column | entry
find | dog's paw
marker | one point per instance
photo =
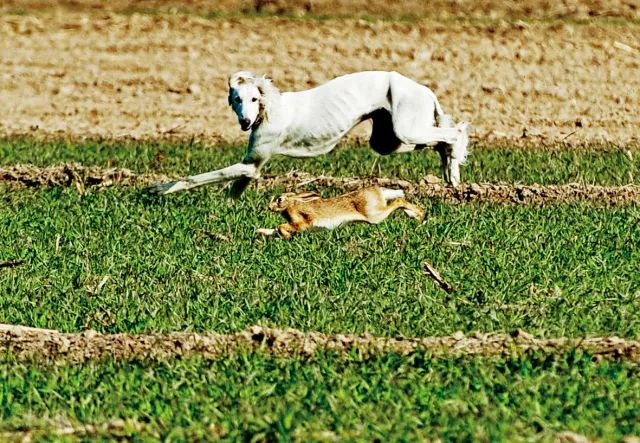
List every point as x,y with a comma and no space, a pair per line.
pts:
167,188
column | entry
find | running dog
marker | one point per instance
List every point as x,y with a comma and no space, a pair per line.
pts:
406,116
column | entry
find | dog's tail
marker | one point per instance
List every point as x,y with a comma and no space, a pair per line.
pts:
443,120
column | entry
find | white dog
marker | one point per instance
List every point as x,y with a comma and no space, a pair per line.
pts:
405,115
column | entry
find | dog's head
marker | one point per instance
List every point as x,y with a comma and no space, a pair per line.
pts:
282,202
246,94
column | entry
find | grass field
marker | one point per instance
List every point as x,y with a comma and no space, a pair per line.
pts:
389,398
206,332
191,261
558,271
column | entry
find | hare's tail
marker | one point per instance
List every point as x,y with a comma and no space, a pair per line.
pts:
392,194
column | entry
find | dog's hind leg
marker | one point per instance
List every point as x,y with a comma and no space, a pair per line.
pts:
450,143
414,109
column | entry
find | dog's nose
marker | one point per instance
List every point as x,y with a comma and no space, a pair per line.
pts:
245,122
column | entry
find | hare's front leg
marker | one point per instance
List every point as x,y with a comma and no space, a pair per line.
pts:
286,230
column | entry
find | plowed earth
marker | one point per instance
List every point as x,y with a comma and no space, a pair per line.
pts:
87,74
537,9
30,343
83,177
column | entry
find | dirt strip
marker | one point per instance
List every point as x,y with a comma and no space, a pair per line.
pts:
493,9
61,428
124,429
83,177
432,186
29,343
73,174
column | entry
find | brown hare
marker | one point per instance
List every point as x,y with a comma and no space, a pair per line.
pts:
308,210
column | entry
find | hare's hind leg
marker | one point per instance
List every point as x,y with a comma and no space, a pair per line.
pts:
382,211
413,211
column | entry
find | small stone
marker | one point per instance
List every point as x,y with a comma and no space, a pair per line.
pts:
90,333
431,179
519,333
194,89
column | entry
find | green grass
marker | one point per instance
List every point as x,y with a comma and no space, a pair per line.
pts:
190,261
388,398
558,270
604,165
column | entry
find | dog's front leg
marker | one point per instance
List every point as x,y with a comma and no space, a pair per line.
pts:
238,187
234,172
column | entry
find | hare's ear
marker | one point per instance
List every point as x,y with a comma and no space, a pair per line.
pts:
308,196
239,78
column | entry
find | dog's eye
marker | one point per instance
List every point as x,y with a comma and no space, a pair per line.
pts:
254,99
237,100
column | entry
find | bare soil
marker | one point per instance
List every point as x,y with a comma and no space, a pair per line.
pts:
507,193
30,343
442,9
96,73
73,174
83,177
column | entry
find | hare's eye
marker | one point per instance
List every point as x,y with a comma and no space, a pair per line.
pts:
254,99
237,100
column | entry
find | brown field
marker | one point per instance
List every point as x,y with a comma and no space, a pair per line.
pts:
30,343
493,9
94,73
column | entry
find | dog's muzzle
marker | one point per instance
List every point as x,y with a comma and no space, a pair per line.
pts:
245,124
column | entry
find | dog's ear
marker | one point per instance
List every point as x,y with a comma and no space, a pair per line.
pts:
239,78
262,83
